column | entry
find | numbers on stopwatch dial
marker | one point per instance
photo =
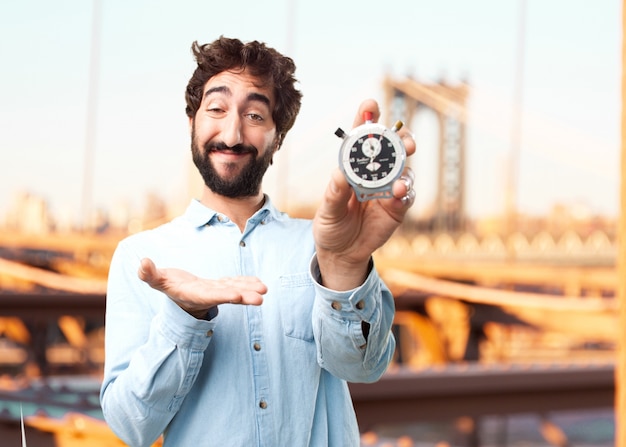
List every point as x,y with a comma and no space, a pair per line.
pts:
372,157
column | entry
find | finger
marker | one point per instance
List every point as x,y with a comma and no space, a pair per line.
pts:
404,183
369,105
248,298
240,290
403,188
408,138
248,283
408,199
233,290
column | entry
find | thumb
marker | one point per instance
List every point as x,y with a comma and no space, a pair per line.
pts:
337,195
148,271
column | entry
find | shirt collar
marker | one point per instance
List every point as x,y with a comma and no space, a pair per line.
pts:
199,215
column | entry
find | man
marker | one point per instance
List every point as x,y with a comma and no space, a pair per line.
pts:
235,325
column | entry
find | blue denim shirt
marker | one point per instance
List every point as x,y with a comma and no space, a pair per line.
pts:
269,375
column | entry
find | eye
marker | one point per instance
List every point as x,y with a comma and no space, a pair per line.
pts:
215,106
256,117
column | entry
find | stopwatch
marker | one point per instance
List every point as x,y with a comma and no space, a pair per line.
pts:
372,157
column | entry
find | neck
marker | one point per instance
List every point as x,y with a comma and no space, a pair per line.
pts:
239,210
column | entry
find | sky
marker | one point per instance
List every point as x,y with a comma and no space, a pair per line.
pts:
566,83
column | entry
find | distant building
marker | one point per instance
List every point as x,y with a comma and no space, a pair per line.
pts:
29,214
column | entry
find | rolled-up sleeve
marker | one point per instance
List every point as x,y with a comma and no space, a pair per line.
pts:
343,348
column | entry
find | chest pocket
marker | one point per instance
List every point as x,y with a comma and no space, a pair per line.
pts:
296,305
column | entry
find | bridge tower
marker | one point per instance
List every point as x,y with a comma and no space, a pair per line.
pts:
404,98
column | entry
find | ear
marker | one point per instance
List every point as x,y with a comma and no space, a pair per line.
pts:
278,141
190,124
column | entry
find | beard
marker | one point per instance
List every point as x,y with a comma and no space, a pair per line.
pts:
245,184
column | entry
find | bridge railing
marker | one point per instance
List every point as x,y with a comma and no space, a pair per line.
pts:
596,248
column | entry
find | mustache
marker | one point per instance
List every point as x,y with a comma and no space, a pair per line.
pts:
237,149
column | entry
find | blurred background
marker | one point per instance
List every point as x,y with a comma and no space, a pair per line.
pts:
509,254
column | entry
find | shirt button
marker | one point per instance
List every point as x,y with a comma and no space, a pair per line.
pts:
209,333
220,218
263,404
360,305
242,244
256,346
336,305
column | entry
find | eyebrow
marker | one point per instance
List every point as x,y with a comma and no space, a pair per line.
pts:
251,97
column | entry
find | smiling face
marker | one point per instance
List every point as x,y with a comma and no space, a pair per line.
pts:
233,134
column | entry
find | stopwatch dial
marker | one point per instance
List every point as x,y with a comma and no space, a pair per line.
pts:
372,159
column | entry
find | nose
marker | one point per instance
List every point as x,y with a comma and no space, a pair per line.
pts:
232,130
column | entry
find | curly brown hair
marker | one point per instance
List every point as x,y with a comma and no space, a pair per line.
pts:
261,61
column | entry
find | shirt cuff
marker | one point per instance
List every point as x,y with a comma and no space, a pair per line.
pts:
356,304
183,329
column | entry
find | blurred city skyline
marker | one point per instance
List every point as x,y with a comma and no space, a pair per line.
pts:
570,95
